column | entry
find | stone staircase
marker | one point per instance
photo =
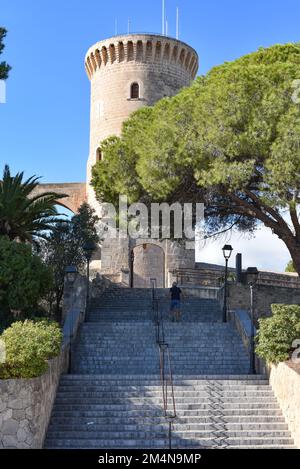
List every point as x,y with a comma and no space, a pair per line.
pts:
113,398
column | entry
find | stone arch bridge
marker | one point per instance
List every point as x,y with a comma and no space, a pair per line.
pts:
75,193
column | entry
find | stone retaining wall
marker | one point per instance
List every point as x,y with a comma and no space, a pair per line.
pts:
264,297
285,381
26,405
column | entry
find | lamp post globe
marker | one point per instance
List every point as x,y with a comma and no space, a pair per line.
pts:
227,251
71,273
252,275
88,248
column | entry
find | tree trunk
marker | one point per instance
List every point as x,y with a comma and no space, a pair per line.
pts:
294,249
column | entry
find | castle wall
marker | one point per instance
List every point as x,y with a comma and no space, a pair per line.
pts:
159,260
149,263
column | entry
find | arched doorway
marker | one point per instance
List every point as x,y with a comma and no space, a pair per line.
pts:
148,262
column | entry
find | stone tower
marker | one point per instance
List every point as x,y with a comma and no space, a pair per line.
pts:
128,72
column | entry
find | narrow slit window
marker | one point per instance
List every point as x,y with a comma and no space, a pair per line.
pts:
135,91
99,155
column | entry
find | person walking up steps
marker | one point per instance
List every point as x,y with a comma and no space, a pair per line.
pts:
175,310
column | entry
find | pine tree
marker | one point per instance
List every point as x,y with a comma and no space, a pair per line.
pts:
4,67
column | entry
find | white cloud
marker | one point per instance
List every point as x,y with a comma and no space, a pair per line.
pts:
264,251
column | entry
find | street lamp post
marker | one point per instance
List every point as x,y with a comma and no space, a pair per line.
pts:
71,274
88,248
227,251
252,277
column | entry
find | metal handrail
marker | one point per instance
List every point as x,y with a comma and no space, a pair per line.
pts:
165,364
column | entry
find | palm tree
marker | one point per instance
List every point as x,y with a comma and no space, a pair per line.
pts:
24,216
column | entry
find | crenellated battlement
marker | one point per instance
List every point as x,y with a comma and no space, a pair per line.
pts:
141,48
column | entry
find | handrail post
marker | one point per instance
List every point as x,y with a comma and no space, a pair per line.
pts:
164,354
170,434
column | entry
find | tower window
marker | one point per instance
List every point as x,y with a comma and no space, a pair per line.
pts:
135,91
99,155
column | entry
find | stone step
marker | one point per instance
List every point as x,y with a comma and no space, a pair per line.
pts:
191,398
87,348
146,359
138,426
177,378
119,370
235,353
153,353
133,320
151,442
139,404
178,389
60,419
74,411
157,395
164,309
184,434
139,367
120,388
262,446
136,382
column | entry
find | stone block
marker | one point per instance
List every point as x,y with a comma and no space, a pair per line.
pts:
9,442
10,427
16,404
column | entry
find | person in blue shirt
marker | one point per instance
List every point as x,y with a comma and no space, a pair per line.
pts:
175,293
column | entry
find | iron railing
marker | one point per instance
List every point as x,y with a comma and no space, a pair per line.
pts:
165,364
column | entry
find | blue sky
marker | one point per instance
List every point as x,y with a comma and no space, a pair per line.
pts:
44,126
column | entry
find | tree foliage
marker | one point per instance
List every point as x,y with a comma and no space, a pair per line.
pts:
28,347
64,247
4,67
231,140
23,215
290,267
24,279
277,333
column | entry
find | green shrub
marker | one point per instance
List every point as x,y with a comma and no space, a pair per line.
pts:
24,279
277,333
28,346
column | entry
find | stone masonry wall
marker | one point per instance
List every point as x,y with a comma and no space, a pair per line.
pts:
26,405
149,262
159,263
265,296
285,381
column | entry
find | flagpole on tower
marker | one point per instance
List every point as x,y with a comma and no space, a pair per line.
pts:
177,23
163,17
